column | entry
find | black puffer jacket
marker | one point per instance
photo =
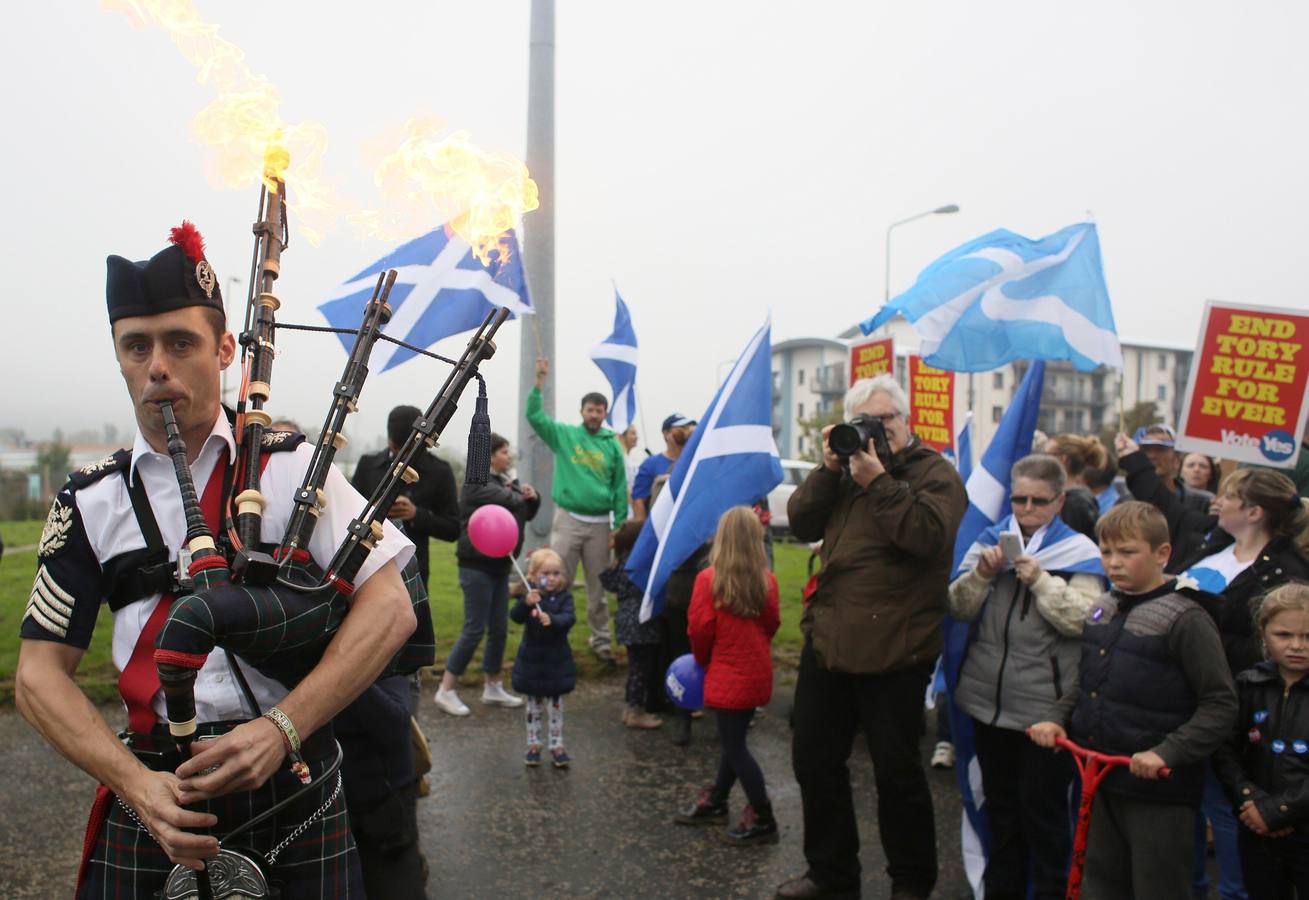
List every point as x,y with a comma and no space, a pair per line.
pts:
1234,610
1267,758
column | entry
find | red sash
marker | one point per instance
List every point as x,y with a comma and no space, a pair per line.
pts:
139,681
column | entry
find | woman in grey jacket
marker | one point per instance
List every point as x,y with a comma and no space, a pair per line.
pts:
1026,586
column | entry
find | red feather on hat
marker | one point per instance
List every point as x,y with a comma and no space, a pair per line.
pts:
189,239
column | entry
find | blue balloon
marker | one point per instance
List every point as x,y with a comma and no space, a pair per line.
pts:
684,682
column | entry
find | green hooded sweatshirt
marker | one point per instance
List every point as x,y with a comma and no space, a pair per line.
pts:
590,478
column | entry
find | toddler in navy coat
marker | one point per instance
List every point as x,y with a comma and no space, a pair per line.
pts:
544,670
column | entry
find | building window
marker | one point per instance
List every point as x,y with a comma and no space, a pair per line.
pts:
1162,392
799,410
1163,363
799,443
997,412
799,376
997,380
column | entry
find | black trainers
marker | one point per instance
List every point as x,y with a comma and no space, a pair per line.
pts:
710,807
755,827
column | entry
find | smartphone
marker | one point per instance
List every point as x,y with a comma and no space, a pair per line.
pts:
1012,545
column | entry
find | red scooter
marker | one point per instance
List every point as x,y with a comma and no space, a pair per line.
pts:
1093,767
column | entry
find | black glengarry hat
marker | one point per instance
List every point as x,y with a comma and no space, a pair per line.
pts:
176,277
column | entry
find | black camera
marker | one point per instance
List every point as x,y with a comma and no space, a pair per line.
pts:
849,437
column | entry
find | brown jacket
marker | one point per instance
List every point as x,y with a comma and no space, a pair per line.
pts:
887,550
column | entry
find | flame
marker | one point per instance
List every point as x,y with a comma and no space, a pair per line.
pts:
420,174
242,126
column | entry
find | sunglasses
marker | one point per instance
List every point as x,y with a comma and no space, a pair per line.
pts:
1019,500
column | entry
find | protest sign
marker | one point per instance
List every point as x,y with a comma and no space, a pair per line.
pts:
931,404
1246,397
871,358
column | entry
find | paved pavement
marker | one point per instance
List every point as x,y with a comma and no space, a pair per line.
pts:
493,828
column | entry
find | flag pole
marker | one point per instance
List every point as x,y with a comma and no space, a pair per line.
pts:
640,414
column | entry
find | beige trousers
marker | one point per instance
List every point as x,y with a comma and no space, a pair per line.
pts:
588,543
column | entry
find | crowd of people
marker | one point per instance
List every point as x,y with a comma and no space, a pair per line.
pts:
1163,617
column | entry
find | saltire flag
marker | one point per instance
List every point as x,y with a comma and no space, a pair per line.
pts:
1004,297
441,288
988,503
730,460
616,356
963,444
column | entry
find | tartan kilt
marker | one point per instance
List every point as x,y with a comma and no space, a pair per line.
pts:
322,862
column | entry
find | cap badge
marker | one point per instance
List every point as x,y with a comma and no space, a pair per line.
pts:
204,274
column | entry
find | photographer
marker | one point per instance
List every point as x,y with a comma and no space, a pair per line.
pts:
872,632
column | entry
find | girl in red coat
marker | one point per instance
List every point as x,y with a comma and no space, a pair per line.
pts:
731,623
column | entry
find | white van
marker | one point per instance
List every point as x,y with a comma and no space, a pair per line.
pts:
794,472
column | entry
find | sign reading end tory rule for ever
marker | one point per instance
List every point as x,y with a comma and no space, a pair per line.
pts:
1246,396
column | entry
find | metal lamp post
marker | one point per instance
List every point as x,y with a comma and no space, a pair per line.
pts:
939,211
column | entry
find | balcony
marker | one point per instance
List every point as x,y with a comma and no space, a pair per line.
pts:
829,380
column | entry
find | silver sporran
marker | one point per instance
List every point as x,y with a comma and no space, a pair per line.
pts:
232,876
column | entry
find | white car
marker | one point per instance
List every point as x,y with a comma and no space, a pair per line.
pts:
794,472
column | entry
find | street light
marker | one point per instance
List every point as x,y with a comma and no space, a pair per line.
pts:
939,211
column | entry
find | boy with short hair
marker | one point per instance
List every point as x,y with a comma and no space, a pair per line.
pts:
1154,685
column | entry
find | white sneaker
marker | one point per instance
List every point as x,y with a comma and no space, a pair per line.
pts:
943,756
494,694
448,702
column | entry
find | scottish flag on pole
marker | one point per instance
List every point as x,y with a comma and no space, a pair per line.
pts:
440,289
730,460
616,356
963,444
1004,297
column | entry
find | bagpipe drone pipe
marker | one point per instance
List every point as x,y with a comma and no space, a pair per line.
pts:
278,612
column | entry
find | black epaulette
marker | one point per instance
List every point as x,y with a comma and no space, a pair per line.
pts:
277,441
90,473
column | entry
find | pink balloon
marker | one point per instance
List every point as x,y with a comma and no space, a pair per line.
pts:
493,530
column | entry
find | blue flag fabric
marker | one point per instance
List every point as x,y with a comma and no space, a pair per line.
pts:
441,289
730,460
1004,297
617,356
988,503
964,447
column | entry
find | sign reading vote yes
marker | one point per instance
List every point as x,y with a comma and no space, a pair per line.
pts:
1246,396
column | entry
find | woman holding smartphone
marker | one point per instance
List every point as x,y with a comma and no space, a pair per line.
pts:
1027,585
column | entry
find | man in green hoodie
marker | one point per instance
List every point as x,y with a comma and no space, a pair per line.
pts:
590,493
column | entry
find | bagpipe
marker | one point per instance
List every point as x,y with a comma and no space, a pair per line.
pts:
278,611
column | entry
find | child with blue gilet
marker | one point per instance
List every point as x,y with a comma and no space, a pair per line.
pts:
544,670
1152,684
1264,766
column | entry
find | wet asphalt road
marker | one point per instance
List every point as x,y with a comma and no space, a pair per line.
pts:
494,828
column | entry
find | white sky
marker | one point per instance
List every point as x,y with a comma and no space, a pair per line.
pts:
718,160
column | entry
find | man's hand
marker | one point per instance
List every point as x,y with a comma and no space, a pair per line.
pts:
157,802
1147,764
529,492
989,562
1250,818
1125,445
1044,734
1028,569
245,758
403,509
830,459
542,370
864,467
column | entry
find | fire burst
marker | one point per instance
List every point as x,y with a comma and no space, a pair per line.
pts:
420,175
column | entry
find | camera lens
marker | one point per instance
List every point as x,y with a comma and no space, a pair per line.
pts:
844,439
